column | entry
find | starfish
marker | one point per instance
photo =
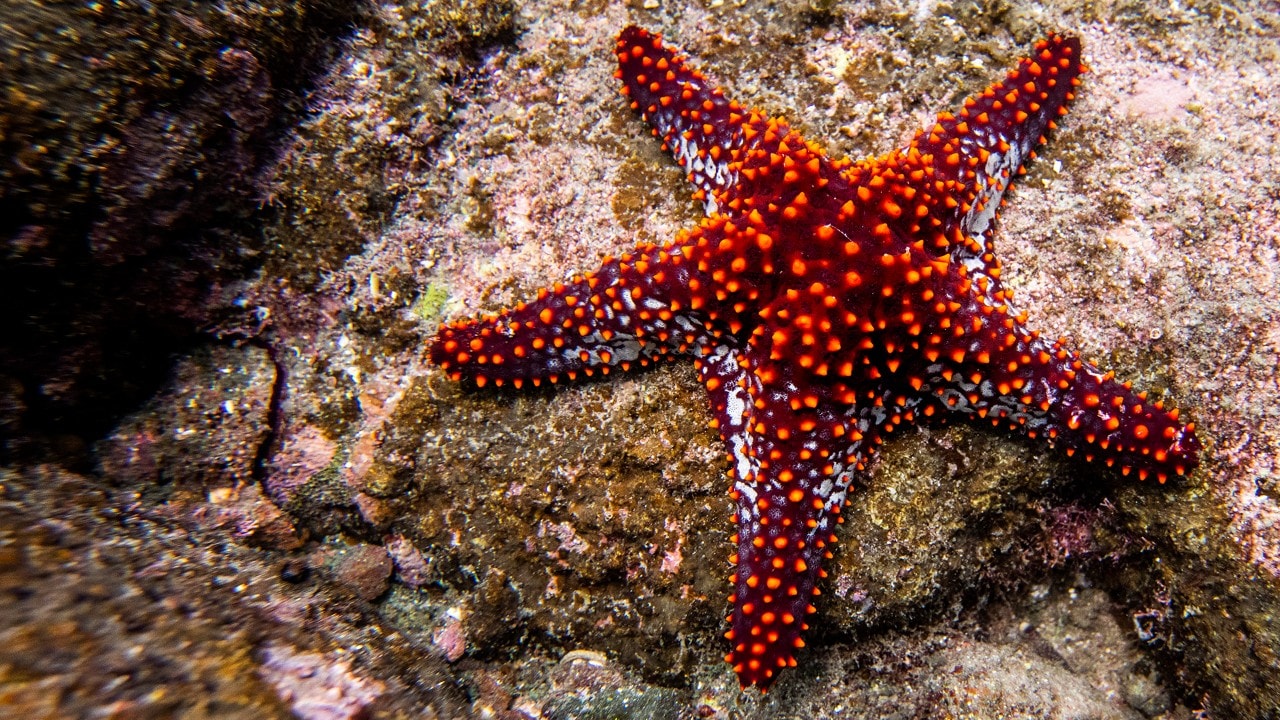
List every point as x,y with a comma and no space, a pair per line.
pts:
825,303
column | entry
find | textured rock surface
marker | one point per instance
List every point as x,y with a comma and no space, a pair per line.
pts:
562,552
205,430
113,609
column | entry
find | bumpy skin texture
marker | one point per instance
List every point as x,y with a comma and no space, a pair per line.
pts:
825,303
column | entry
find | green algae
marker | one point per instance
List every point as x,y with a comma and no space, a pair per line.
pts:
427,306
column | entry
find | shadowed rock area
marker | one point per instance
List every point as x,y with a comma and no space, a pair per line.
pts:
133,141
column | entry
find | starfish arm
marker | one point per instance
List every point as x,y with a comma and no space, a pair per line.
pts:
697,123
801,446
628,312
993,368
969,158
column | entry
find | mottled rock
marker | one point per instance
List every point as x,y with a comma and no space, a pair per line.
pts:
98,585
204,430
363,569
588,687
451,640
412,568
318,687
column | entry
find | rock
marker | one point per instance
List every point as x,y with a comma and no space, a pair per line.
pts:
363,569
204,430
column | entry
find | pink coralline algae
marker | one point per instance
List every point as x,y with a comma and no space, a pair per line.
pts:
317,687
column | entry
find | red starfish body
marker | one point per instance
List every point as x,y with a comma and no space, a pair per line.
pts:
826,302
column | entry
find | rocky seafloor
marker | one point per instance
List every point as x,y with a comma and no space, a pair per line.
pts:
234,487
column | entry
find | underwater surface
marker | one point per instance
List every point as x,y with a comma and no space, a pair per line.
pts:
235,484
